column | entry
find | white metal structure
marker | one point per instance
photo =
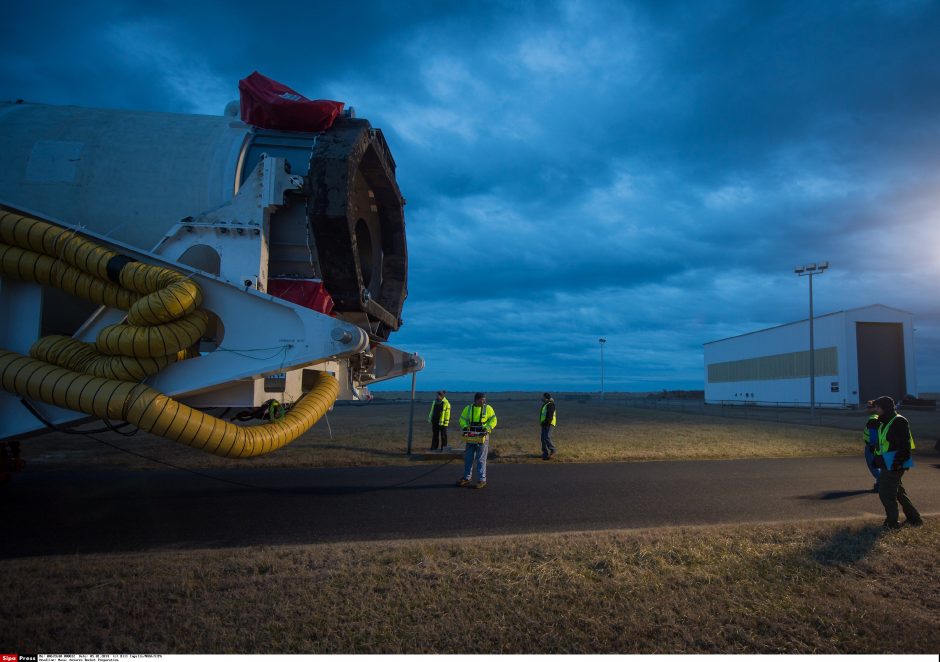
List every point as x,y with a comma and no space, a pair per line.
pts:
236,207
859,354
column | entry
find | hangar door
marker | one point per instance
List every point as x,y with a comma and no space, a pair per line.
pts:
880,360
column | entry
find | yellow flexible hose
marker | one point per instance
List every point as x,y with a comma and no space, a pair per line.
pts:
163,322
152,341
34,267
170,295
150,410
49,239
80,356
180,330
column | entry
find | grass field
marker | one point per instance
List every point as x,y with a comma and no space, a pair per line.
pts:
822,587
376,434
786,588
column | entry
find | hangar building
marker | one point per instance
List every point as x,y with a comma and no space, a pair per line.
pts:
860,354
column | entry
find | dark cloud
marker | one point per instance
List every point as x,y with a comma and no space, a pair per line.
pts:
650,172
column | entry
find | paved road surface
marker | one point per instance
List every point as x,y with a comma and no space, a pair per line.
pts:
60,512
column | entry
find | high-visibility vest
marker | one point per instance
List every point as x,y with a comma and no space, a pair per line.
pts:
474,417
542,414
444,420
882,448
870,435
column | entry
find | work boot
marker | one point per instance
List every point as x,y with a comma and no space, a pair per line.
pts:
890,525
463,482
480,485
914,522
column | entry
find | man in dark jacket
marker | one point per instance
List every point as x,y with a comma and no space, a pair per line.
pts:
439,418
893,457
547,422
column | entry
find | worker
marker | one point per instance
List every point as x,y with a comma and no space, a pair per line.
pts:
476,422
893,457
439,418
547,422
870,439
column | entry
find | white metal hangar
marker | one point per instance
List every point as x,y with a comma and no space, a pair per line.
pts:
860,354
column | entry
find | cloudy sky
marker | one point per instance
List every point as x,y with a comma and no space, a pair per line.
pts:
649,172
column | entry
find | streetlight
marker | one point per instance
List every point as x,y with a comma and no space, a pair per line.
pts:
811,269
602,341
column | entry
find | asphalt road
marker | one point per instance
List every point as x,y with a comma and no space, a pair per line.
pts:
66,512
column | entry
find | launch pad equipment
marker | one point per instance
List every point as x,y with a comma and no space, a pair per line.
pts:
238,213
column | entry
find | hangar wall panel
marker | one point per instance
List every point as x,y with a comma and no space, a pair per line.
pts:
771,366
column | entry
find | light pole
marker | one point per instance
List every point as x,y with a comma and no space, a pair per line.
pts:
411,363
602,341
811,269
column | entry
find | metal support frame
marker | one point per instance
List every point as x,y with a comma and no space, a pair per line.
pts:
259,335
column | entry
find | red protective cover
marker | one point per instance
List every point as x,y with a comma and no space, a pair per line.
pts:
307,293
267,104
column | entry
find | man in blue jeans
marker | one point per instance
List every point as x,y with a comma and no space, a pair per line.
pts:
476,422
547,422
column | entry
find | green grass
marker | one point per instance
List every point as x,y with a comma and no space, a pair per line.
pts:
376,434
786,588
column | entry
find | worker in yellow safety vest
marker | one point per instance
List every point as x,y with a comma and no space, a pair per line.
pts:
476,422
439,418
893,456
547,422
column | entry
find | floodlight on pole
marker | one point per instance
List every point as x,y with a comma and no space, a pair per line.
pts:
811,269
602,341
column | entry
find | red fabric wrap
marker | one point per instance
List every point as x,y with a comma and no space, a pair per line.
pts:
307,293
267,104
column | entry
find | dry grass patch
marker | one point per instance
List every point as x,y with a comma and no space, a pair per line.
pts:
376,434
794,588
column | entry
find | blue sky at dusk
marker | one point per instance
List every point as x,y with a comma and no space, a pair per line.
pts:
649,172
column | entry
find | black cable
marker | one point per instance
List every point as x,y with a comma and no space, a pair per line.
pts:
116,428
53,426
109,426
176,466
273,490
411,480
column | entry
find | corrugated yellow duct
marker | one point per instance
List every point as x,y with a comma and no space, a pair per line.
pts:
179,330
33,267
152,341
80,356
161,326
154,412
170,294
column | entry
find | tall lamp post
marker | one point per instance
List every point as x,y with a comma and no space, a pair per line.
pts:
602,341
811,269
